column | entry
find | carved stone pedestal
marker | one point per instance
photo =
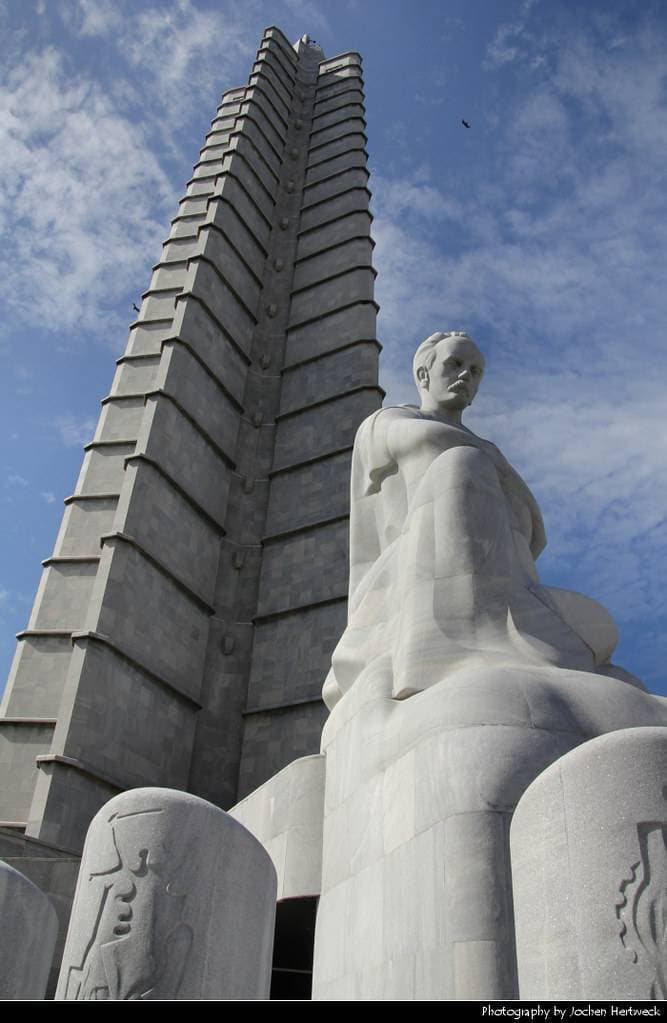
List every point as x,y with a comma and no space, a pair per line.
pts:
175,900
417,886
589,868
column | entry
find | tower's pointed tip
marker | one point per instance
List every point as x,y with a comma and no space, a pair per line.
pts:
307,42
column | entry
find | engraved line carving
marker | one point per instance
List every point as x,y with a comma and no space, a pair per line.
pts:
140,945
642,907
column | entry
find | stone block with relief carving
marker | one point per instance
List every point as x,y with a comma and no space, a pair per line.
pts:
175,900
589,870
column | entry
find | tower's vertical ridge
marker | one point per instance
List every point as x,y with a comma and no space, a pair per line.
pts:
211,503
328,386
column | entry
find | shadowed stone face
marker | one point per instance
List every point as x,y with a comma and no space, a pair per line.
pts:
448,375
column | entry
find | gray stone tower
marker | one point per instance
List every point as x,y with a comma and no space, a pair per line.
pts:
185,621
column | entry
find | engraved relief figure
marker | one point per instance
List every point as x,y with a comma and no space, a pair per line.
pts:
642,910
139,945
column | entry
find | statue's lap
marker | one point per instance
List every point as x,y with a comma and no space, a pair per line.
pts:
504,722
419,799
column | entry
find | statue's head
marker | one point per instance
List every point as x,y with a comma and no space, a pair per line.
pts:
447,368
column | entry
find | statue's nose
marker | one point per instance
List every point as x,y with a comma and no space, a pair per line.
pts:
464,374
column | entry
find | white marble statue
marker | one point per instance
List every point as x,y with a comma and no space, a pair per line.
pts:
458,680
444,537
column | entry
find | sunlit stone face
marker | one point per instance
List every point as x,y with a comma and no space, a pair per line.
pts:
452,379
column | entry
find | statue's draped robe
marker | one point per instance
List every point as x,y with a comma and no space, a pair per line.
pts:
443,537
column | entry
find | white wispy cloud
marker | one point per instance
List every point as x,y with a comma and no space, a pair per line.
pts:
173,52
92,17
512,38
596,459
74,221
563,229
555,262
14,479
75,432
178,47
47,496
414,196
87,151
310,15
12,602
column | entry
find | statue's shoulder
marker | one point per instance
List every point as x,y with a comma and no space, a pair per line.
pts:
373,458
379,421
373,433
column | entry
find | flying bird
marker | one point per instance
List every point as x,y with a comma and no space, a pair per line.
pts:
136,308
464,123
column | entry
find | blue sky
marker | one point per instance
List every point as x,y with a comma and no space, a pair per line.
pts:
541,230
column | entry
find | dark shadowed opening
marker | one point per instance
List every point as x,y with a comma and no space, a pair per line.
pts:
293,949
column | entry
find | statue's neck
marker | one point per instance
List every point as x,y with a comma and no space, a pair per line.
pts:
451,416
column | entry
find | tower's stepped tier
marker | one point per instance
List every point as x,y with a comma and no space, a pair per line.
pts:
185,621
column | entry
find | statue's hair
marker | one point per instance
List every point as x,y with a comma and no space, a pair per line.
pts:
425,354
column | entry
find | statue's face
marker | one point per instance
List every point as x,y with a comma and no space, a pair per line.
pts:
453,377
